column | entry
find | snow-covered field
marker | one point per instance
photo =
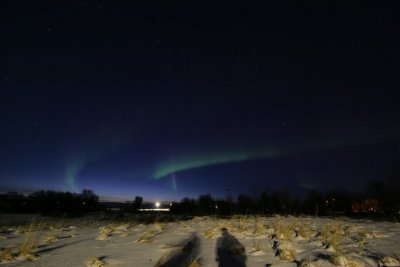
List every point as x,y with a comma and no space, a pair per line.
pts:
245,241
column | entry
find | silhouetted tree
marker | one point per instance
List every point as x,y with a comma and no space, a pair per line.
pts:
58,203
246,204
387,197
137,203
263,203
89,200
338,200
186,206
205,204
314,203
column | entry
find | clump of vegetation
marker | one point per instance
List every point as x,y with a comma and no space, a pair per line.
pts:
388,261
330,237
287,254
195,263
260,229
342,260
7,255
30,242
52,236
210,233
257,245
153,231
283,230
95,262
303,231
104,232
242,223
26,250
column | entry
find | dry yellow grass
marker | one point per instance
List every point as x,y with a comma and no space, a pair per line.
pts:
287,254
25,250
342,260
104,232
194,263
147,236
389,261
284,231
209,234
52,236
257,245
303,231
95,262
30,241
260,229
6,255
242,224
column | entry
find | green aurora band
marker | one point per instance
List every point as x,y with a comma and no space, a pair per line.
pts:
214,159
110,142
261,152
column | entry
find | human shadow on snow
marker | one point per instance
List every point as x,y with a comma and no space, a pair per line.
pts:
229,251
185,256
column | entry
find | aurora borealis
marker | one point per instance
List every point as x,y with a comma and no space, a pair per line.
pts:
172,100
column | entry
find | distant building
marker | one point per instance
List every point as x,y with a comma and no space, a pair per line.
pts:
366,205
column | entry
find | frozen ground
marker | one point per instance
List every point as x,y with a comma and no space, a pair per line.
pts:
247,241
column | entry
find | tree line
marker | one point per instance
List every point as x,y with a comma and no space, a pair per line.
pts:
377,199
49,202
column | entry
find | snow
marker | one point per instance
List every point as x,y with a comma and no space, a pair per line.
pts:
239,241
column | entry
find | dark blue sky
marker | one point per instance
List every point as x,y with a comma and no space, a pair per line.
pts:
167,100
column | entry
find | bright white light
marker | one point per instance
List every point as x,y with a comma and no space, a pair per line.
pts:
157,204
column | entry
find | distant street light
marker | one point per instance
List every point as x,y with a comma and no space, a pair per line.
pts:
157,204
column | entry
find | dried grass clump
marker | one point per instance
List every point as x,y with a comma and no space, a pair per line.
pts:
339,230
339,260
122,229
242,225
195,263
209,234
257,245
287,254
333,243
52,236
361,241
7,255
11,254
326,233
26,250
330,237
285,250
30,242
148,235
284,231
307,262
347,229
104,232
342,260
388,261
260,229
95,262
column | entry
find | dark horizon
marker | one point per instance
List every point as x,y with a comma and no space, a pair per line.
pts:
172,100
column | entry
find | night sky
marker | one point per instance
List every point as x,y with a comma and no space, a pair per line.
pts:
170,99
